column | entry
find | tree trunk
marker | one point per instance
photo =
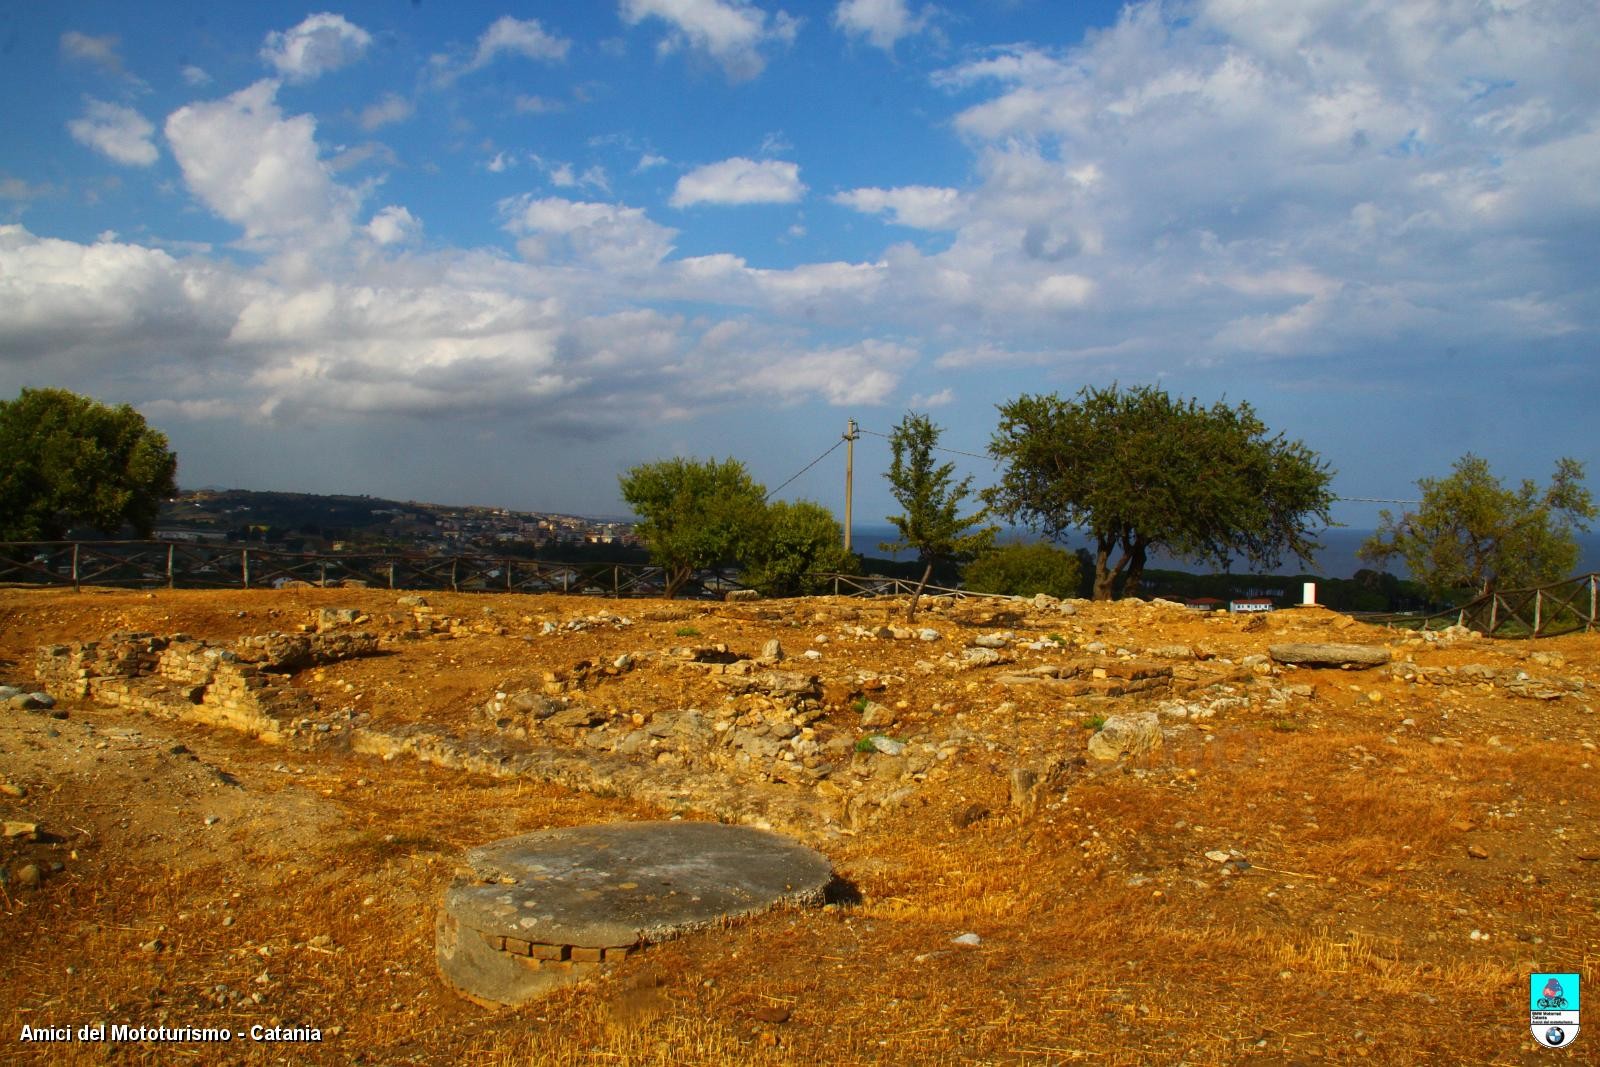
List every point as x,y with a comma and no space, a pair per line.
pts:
1102,570
675,578
1105,576
1135,569
1102,576
927,572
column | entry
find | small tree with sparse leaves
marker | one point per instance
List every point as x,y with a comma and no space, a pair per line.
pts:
1471,535
932,522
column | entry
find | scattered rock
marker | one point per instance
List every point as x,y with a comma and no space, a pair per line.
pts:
28,876
1024,789
26,830
970,940
741,596
875,716
328,618
980,657
968,815
1477,852
1000,640
772,1013
1129,734
888,745
772,651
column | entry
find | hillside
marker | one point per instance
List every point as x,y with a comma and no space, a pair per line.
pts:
1286,864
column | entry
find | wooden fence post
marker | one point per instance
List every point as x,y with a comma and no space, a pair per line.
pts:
322,574
616,580
391,574
508,575
1538,611
1494,613
1594,580
169,567
454,560
75,587
244,565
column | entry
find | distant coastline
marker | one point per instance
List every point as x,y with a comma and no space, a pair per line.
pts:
1337,559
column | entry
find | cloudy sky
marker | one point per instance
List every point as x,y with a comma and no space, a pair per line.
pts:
452,252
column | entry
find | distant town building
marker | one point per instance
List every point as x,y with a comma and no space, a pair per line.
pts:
1204,603
192,536
1248,604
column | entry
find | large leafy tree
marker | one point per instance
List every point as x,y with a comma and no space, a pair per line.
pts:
797,541
1471,534
694,514
66,459
932,522
1139,470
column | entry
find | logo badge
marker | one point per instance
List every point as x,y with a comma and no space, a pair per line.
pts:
1553,1008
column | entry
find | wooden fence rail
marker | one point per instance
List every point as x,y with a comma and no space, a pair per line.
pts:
1558,608
183,565
154,564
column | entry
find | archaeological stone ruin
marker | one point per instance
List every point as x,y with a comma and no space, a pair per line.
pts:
544,909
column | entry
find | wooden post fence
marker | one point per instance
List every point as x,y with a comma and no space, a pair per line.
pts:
76,588
244,565
171,580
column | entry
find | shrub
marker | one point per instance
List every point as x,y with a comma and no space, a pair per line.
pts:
1024,570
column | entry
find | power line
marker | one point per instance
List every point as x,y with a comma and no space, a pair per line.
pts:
1373,500
992,459
807,467
941,448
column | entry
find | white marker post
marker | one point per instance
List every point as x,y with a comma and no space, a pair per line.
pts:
1308,594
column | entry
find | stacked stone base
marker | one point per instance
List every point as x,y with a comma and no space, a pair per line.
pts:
245,688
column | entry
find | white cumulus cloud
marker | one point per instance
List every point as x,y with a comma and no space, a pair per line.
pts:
260,170
319,44
117,132
393,225
881,22
740,181
731,32
923,207
390,108
606,235
103,52
506,36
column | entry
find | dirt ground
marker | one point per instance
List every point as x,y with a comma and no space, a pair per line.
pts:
1393,851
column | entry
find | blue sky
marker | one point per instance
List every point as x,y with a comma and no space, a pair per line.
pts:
477,253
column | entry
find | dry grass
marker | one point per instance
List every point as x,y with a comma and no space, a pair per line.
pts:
1106,935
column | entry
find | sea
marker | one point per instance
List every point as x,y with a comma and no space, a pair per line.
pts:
1337,559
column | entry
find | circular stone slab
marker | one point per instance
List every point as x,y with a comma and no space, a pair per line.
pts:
543,909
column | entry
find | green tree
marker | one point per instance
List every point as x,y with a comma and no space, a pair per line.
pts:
1139,470
694,514
932,523
796,542
66,459
1471,534
1024,570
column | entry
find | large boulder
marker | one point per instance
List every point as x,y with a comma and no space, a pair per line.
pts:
1345,657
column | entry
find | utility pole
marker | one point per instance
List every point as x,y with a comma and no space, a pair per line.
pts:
850,436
